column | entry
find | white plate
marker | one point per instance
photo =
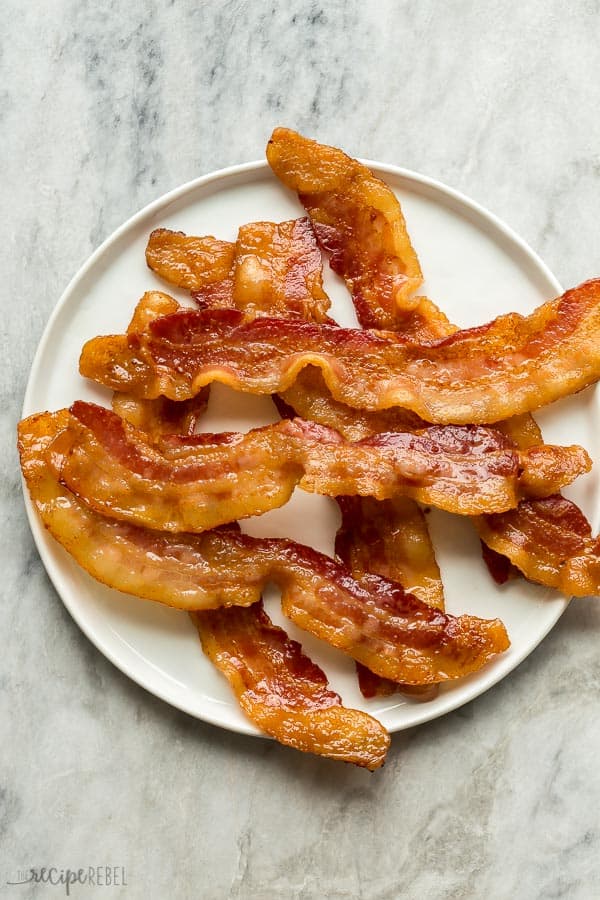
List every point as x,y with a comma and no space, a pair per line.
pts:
476,268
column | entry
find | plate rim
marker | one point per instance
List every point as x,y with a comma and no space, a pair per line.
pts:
44,542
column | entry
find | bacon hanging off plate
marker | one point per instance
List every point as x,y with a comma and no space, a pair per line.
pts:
272,266
283,692
393,633
358,222
485,374
202,481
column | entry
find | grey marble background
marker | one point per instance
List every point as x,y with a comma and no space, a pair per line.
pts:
103,107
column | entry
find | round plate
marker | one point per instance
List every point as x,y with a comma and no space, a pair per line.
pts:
476,268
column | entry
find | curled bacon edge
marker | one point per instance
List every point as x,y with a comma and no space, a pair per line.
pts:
480,375
198,482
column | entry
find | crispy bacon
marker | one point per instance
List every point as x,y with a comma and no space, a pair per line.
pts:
550,541
192,263
393,633
293,158
485,374
383,538
278,271
389,538
202,481
358,222
160,416
283,692
272,266
412,547
568,530
309,398
369,527
277,685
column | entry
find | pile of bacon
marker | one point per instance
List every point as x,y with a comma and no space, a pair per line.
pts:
382,419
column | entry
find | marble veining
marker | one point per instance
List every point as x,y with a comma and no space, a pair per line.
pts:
103,107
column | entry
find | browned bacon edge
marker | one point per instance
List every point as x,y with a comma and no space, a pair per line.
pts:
480,375
199,482
282,691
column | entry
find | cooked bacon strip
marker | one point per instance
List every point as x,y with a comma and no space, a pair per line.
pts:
160,416
278,270
202,481
380,537
209,481
283,692
479,375
309,398
274,266
357,220
376,622
389,538
550,541
192,263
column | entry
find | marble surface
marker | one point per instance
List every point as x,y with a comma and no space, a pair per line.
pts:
103,107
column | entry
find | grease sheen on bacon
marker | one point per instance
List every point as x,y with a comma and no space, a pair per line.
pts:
283,692
393,633
274,266
278,271
357,220
202,481
550,541
192,263
160,416
390,538
485,374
